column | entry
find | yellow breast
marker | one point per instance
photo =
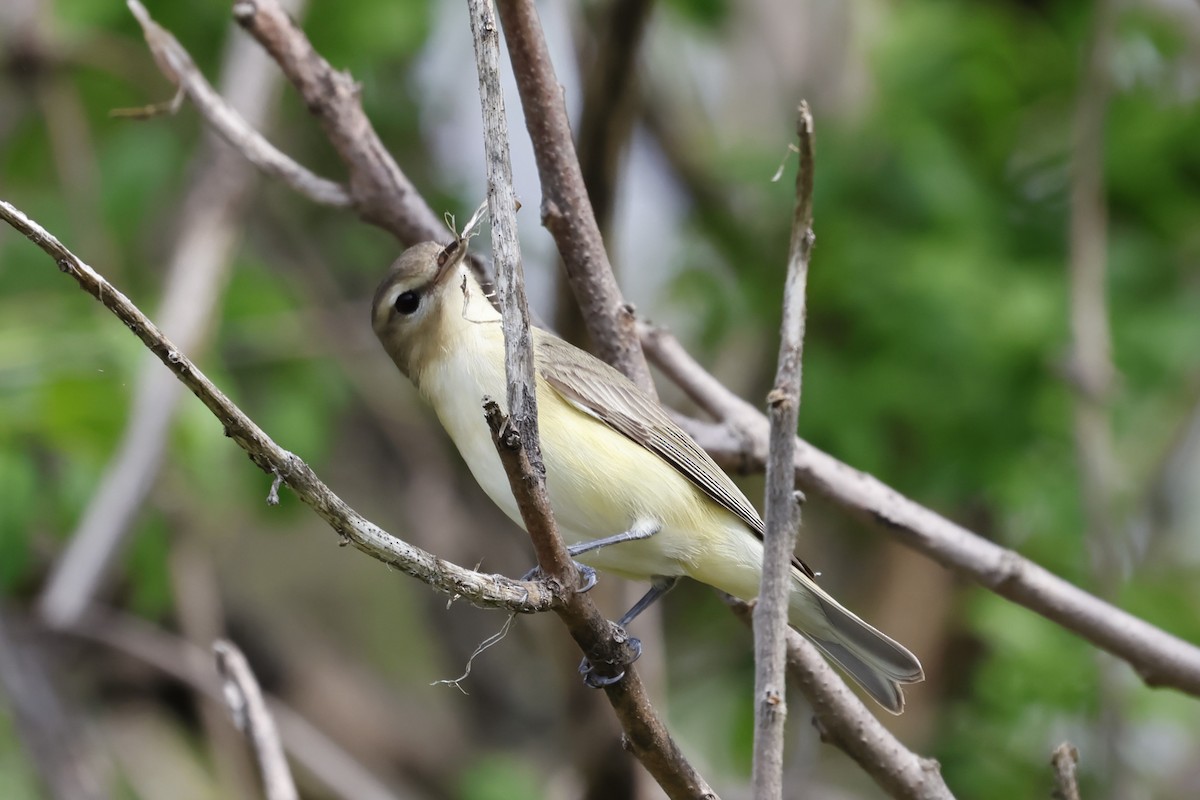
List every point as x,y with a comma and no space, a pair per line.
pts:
600,482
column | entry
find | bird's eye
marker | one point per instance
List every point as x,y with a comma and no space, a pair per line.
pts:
407,302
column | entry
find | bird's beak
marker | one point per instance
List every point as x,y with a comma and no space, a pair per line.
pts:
449,259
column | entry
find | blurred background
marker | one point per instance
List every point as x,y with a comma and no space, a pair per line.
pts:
938,357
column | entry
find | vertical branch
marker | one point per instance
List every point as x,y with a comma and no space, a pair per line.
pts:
1092,369
521,426
609,46
566,210
1065,760
605,645
782,514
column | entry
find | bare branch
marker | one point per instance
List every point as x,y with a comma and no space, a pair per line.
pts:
566,210
846,723
739,442
251,716
493,591
381,193
782,512
1065,760
308,746
516,439
209,231
177,65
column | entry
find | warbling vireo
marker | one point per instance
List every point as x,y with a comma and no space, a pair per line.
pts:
619,472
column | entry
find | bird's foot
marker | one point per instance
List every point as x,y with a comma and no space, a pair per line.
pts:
633,648
587,576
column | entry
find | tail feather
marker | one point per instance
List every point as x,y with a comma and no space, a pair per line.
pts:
878,663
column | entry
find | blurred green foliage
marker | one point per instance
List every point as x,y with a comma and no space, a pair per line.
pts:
937,328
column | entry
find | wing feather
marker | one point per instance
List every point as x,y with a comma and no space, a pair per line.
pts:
600,391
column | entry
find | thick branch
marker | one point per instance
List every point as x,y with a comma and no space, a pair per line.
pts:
605,645
494,591
177,65
566,210
381,192
250,715
782,515
739,442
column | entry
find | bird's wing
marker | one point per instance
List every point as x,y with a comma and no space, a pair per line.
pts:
600,391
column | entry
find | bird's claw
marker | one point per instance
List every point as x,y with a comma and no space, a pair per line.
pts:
597,681
587,576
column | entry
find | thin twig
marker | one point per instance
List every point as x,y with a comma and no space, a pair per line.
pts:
516,440
846,723
782,511
738,441
566,210
251,716
519,429
210,225
1065,760
493,591
308,746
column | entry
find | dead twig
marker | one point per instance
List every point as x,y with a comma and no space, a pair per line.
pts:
493,591
1065,760
782,511
738,441
228,119
517,442
250,715
846,723
566,210
209,232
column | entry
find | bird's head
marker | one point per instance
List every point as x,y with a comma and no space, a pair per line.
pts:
414,313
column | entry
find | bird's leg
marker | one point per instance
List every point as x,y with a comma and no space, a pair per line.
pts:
640,530
658,587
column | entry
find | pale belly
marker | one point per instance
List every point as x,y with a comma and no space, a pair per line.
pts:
600,483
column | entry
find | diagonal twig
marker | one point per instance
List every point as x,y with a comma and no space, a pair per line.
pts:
493,591
250,715
738,441
380,191
217,195
186,662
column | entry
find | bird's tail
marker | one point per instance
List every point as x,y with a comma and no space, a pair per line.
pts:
878,663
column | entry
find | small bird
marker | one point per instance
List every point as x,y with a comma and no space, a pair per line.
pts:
632,493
